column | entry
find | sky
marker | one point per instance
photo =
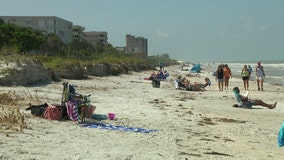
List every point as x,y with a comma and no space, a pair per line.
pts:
187,30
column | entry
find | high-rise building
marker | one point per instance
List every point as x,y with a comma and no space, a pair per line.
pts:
46,24
138,45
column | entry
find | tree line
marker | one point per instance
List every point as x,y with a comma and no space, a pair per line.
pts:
26,40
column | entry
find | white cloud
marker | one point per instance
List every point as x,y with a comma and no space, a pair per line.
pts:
162,34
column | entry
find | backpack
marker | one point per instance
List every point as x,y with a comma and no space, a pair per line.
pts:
37,110
53,113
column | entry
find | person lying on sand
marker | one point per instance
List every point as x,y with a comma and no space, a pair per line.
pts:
246,102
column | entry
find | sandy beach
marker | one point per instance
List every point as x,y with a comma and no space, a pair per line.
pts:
187,124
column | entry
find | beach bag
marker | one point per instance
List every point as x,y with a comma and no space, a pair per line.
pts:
53,113
64,114
88,111
281,136
37,110
156,83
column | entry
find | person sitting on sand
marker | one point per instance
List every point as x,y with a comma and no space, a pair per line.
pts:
152,76
207,82
182,83
185,81
166,74
185,84
160,74
246,102
201,86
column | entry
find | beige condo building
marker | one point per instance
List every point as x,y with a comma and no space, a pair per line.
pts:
94,37
46,24
78,32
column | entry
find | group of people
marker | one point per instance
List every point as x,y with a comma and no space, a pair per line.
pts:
184,83
160,75
223,74
246,75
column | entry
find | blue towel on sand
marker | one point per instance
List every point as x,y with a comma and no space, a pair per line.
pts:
120,128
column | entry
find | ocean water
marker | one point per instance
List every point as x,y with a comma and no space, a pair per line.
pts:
274,70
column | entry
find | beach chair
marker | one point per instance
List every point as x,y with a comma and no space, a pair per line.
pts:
78,106
240,102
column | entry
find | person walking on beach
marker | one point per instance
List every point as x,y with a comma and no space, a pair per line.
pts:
245,77
250,71
227,75
259,71
220,77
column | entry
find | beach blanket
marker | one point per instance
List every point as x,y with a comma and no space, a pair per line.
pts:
119,128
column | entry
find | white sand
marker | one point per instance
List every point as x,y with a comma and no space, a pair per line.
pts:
191,125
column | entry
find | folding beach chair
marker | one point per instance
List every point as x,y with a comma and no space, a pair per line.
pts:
78,106
240,102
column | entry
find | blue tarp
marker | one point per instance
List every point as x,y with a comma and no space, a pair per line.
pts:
195,68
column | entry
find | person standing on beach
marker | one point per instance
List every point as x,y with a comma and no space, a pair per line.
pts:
220,77
227,75
259,71
161,64
245,77
250,71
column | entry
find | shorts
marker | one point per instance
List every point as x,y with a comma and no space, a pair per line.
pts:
246,78
248,103
259,77
220,80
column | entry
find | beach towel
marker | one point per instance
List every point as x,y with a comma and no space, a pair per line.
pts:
281,136
119,128
72,110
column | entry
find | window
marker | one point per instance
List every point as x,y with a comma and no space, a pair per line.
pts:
41,23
